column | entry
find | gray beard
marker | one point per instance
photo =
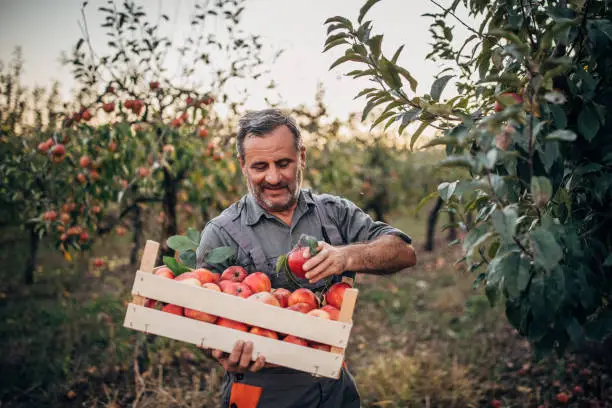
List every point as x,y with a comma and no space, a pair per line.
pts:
257,193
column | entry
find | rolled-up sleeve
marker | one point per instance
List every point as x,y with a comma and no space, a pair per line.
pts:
358,226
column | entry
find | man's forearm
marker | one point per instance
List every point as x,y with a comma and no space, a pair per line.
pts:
385,255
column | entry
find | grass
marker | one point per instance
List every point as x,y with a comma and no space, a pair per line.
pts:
422,338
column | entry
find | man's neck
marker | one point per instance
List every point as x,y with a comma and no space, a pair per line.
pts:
287,215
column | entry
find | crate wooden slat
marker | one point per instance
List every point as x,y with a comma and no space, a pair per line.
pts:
146,265
207,335
247,311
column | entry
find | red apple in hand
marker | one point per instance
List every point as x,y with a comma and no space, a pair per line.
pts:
282,295
234,273
265,297
258,282
303,295
335,294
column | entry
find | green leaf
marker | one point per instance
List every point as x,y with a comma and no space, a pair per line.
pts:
334,43
181,243
382,117
220,255
408,118
608,261
364,9
390,73
588,122
562,134
417,133
546,251
188,258
375,45
364,92
574,330
475,237
559,117
600,328
505,222
343,21
446,190
372,104
345,58
397,54
174,266
408,77
541,189
425,200
193,235
438,86
517,273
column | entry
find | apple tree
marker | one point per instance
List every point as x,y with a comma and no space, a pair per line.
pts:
530,122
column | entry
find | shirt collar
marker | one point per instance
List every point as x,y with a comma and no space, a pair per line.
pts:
254,212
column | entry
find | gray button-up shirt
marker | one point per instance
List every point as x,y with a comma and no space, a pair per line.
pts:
276,238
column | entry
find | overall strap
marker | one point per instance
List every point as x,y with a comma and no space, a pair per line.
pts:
330,229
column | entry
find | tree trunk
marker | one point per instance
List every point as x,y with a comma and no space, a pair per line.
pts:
137,239
452,231
169,206
31,263
431,225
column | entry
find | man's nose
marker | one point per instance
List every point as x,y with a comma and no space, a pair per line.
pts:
272,176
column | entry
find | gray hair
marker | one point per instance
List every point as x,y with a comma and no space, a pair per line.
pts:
260,123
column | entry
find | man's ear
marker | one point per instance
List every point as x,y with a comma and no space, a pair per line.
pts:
303,157
242,165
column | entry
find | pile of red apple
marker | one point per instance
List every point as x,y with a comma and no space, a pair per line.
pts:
255,286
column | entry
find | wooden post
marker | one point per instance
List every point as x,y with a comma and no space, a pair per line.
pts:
346,312
147,264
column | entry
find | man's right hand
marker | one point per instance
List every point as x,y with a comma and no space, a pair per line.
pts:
239,360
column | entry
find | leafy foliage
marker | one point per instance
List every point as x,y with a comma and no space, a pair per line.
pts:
530,123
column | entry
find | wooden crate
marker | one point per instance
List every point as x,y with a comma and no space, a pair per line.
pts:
253,313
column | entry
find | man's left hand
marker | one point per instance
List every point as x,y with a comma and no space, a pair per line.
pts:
328,261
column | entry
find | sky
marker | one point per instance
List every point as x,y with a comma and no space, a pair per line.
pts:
44,29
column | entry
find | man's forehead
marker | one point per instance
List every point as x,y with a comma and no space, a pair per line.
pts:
272,144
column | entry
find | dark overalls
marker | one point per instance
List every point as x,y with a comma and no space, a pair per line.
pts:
280,387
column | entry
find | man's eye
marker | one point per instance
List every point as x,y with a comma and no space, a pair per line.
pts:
283,165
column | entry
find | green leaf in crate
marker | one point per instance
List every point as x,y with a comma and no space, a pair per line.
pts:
220,254
181,243
193,235
188,258
174,266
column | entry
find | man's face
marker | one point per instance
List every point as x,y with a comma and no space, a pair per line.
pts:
273,169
